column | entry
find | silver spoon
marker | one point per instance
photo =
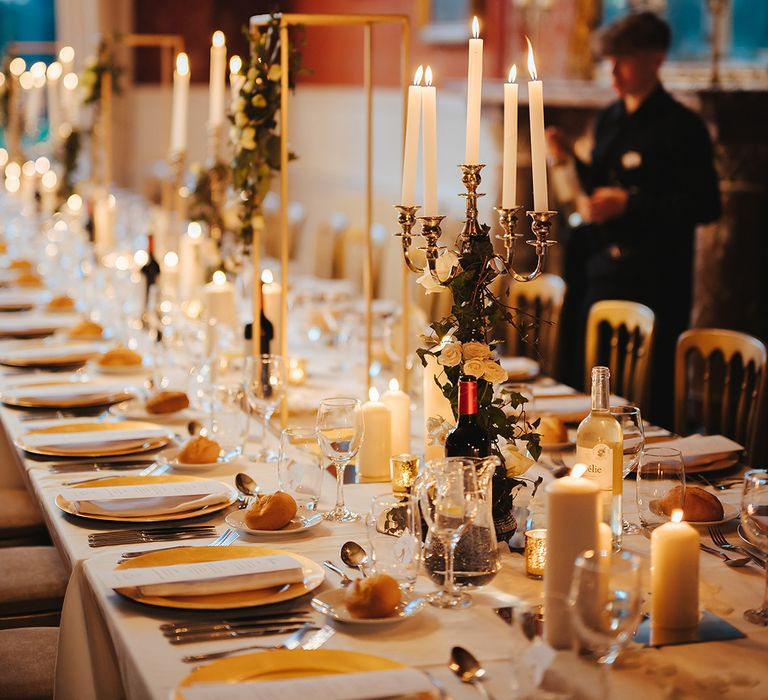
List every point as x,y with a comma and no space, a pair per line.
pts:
354,556
468,670
247,486
733,563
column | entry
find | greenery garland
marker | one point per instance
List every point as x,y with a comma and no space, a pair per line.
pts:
95,69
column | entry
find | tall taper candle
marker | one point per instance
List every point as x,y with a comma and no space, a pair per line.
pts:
474,90
538,143
429,109
235,79
53,75
180,103
509,173
411,148
216,86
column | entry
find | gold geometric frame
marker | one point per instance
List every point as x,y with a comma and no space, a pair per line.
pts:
367,22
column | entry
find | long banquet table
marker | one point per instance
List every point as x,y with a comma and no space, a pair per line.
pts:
111,647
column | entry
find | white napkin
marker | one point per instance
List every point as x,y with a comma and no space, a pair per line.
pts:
54,351
519,367
341,686
208,578
50,391
570,408
91,437
14,323
698,450
551,390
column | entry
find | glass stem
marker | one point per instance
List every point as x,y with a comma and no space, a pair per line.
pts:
340,466
449,588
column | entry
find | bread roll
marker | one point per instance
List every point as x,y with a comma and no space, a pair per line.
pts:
700,505
20,264
62,302
552,431
271,512
373,597
120,357
167,402
200,450
29,279
87,330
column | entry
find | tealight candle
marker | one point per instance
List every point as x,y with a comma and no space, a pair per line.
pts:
297,370
535,553
405,469
399,403
375,450
675,575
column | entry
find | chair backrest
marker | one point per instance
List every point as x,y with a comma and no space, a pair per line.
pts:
542,299
620,336
720,384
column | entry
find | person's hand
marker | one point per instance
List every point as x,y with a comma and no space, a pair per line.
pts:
559,146
607,203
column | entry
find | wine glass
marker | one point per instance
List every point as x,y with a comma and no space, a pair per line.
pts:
447,491
300,467
228,418
661,470
605,601
631,423
265,381
340,433
754,520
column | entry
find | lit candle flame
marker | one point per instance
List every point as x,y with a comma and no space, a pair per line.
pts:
17,66
171,259
235,64
219,277
475,27
75,202
49,180
194,230
182,64
578,470
38,69
26,80
394,385
67,54
418,75
373,394
70,81
677,515
531,62
428,76
512,74
267,277
218,38
54,71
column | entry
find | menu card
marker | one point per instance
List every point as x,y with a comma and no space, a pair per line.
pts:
91,436
342,686
43,391
54,350
149,490
702,449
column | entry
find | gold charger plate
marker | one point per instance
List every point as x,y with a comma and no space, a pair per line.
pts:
67,507
105,449
283,664
313,577
97,398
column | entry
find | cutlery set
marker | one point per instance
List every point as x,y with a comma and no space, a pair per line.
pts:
154,534
259,624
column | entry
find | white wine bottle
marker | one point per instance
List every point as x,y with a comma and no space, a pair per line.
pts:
600,445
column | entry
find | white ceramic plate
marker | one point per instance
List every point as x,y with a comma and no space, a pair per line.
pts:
729,513
134,410
301,523
331,604
171,457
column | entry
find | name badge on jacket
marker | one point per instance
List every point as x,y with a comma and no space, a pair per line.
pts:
631,160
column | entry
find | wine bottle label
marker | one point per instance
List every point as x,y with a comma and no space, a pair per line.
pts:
467,398
599,461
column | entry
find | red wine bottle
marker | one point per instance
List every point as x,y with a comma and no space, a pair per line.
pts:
467,438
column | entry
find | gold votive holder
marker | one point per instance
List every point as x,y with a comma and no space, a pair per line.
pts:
535,553
297,370
405,469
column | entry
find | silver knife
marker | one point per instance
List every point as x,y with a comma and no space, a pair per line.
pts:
194,625
232,625
232,634
290,643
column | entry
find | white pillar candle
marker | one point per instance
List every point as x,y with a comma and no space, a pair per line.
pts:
170,277
235,79
509,172
220,300
67,59
474,90
573,513
217,77
435,406
53,76
190,263
272,294
180,103
411,148
399,404
429,108
538,143
28,185
675,575
48,193
376,447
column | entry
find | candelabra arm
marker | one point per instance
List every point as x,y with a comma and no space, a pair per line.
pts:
407,220
470,177
430,232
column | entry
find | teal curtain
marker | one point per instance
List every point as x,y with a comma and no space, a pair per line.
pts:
27,20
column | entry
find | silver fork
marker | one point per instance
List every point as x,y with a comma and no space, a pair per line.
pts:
225,538
717,536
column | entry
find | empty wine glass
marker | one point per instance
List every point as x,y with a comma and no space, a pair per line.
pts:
448,493
661,470
340,433
300,468
631,423
265,380
754,520
605,599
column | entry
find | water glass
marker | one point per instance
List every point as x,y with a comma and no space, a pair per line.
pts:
661,470
394,530
228,418
265,384
631,423
300,466
754,520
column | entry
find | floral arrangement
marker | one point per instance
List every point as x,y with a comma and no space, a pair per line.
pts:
463,345
254,130
95,69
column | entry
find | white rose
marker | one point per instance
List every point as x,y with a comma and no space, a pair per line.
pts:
241,119
494,372
474,368
238,105
445,263
248,139
475,351
515,462
429,284
450,355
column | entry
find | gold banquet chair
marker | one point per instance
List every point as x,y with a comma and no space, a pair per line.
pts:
541,298
720,385
620,337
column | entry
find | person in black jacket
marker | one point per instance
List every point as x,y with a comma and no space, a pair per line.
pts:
650,181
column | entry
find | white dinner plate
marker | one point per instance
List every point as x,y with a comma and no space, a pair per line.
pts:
729,513
135,410
301,523
331,604
170,457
